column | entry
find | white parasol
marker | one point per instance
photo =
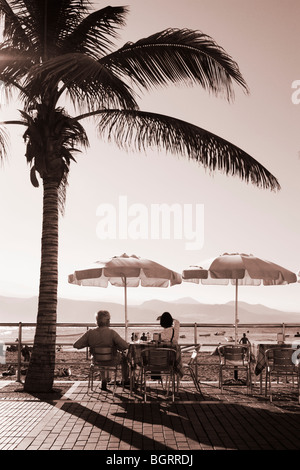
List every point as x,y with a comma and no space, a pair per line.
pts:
125,271
239,269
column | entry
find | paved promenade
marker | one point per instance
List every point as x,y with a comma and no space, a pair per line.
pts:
73,419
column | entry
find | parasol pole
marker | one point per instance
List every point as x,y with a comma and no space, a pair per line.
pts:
236,312
236,323
125,301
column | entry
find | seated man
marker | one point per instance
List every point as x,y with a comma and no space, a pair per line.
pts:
105,337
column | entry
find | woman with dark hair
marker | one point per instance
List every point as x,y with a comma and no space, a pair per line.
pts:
170,333
170,328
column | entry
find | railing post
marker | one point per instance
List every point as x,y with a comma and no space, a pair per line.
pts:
283,331
196,342
195,333
87,349
19,352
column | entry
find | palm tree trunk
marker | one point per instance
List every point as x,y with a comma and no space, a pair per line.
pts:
40,373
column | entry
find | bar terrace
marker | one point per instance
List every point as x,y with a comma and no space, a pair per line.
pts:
73,418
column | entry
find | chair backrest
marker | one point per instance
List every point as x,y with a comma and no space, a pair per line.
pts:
158,359
194,355
280,359
193,349
234,353
102,354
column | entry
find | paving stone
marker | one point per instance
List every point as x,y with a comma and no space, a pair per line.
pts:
81,421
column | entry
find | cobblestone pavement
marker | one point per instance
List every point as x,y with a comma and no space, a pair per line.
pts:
72,418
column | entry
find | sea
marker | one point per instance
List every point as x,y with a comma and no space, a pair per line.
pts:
208,337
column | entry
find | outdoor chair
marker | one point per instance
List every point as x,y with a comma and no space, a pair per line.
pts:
281,364
190,365
158,362
135,374
235,358
107,364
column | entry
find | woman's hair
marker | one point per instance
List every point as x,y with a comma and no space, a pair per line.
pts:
166,320
103,318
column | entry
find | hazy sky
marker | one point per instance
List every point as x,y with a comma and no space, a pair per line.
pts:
263,37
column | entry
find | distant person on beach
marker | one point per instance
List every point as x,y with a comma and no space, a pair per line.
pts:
244,339
170,327
105,337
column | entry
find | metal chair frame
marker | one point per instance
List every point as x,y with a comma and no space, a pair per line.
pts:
158,361
279,363
135,369
106,362
191,367
235,357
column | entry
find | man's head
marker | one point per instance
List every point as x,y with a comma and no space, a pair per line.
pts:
103,318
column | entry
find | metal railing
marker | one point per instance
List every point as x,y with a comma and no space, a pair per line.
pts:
19,342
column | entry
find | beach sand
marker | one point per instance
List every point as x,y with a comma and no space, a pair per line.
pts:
78,364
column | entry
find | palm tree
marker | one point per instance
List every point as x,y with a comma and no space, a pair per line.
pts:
52,51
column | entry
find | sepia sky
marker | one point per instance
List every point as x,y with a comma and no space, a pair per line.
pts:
263,37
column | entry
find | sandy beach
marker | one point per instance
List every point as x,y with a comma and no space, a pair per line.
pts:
77,363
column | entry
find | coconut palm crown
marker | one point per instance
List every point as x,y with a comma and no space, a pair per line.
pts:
54,51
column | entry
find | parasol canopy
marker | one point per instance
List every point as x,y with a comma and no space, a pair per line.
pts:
125,271
239,269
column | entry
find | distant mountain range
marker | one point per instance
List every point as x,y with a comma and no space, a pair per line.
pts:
14,310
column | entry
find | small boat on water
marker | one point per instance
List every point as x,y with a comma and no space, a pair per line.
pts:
220,333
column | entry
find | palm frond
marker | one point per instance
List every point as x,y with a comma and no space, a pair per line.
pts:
14,65
141,130
177,55
84,78
92,35
4,143
62,192
14,28
29,14
67,15
40,24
